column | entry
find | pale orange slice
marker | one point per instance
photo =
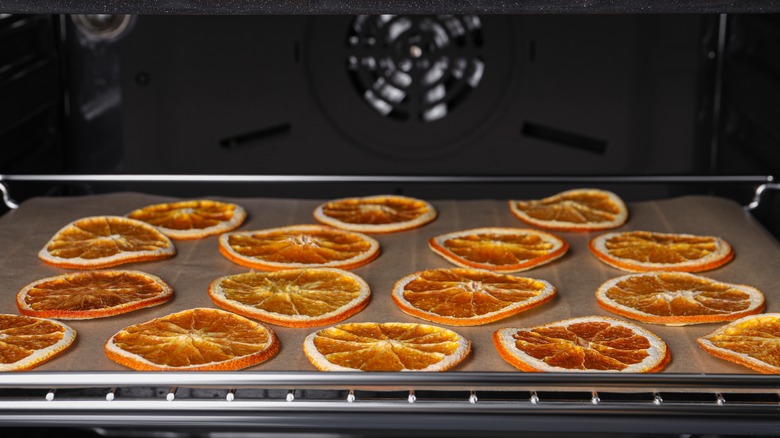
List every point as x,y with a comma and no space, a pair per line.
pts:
103,241
193,340
585,344
639,251
93,294
752,341
26,342
298,246
293,297
463,297
376,214
678,298
196,219
499,249
390,346
573,210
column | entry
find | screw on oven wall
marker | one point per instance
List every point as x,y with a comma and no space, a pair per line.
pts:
142,78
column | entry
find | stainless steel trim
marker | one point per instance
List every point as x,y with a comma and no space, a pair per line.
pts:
394,381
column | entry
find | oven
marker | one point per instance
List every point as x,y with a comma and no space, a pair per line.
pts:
109,106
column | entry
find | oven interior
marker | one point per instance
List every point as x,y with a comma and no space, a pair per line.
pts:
483,96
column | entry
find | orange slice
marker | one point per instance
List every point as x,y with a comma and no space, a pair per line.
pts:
26,342
573,210
391,346
639,251
585,344
187,220
678,298
752,341
94,294
293,297
103,241
499,249
298,246
193,340
462,296
376,214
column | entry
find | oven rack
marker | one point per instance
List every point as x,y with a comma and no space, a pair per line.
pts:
722,404
388,6
762,183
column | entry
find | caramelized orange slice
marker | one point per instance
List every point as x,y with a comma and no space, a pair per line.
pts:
752,341
638,251
94,294
463,297
678,298
298,246
293,297
193,340
103,241
26,342
376,214
391,346
187,220
499,249
573,210
585,344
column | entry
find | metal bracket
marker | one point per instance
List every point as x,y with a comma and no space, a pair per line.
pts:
769,185
10,203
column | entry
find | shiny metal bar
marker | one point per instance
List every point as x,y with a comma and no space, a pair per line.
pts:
633,179
390,381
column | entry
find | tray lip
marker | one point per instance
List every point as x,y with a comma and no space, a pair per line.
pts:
300,379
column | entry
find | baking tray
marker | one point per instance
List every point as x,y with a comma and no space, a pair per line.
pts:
576,275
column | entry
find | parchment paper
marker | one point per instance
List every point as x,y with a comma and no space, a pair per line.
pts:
576,275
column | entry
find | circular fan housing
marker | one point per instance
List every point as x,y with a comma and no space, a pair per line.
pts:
410,86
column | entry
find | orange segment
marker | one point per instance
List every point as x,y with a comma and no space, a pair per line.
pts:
26,342
499,249
752,341
195,219
293,297
376,214
94,294
573,210
298,246
678,298
468,296
193,340
103,241
639,251
585,344
392,346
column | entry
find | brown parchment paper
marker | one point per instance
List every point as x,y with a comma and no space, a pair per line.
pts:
576,275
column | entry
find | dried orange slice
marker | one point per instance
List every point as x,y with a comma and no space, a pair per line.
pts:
499,249
376,214
94,294
585,344
188,220
298,246
26,342
752,341
678,298
462,296
103,241
573,210
390,346
293,297
193,340
638,251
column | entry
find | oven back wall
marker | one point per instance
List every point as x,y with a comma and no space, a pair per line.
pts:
519,95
